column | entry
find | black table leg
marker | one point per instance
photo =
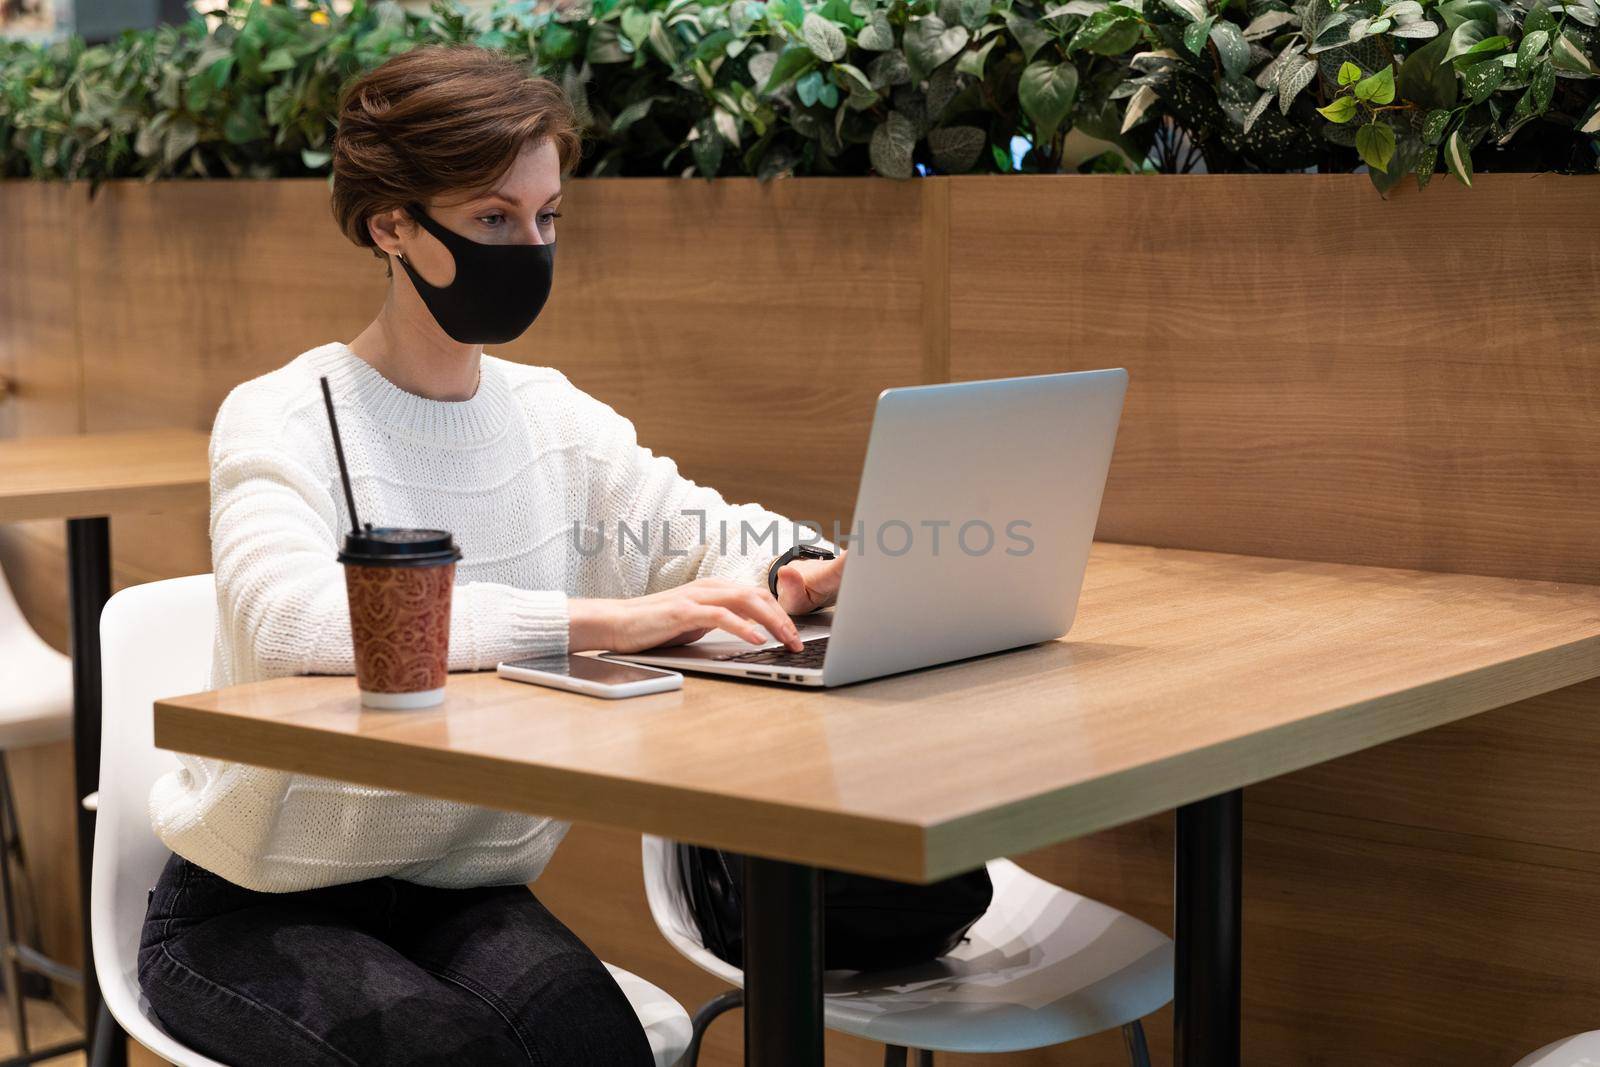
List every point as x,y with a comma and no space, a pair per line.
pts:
88,589
782,964
1206,918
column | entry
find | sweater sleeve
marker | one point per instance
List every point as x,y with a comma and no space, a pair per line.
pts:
666,529
274,543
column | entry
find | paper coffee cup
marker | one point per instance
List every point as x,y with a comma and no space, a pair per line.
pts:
399,583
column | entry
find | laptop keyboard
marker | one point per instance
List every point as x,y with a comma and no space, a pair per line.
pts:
810,656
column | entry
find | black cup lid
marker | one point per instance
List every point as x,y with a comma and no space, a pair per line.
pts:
396,546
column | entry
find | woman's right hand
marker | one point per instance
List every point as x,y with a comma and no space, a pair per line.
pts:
679,615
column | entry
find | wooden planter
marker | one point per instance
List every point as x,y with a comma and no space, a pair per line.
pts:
1315,372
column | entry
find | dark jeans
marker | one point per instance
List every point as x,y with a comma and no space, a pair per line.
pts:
378,972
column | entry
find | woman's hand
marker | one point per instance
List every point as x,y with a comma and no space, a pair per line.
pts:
680,615
806,585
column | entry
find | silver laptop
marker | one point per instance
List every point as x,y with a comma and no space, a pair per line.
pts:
973,524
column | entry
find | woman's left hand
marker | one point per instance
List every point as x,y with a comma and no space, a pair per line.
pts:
806,585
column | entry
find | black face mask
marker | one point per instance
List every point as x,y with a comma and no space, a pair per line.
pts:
497,292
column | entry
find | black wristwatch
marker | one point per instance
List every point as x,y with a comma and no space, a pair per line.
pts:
797,552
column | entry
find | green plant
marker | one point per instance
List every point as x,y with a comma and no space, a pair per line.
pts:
1393,83
776,87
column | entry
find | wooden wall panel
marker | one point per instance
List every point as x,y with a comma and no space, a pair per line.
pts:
38,360
747,329
189,288
1315,372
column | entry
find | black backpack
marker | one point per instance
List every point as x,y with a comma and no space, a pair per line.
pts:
869,924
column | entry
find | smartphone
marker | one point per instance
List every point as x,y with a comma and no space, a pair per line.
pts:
592,676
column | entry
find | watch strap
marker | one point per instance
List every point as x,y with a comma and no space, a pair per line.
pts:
797,552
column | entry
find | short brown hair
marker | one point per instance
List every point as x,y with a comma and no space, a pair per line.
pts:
436,120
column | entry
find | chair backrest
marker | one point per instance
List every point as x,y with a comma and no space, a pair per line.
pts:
155,642
14,627
669,907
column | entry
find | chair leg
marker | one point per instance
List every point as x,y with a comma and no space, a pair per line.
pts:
8,947
708,1013
894,1056
1138,1051
25,914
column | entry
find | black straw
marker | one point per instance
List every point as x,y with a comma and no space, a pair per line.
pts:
338,450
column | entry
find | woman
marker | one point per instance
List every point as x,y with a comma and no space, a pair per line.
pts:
308,921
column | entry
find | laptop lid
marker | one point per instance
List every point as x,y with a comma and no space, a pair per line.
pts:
974,519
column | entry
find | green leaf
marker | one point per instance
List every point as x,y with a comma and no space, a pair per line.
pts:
973,61
1539,20
1425,80
929,44
1589,121
1196,34
666,45
956,148
1231,47
278,59
1028,33
1046,92
1263,102
1105,33
853,80
1377,89
1532,45
1567,56
889,69
1190,10
1342,110
636,25
877,35
1427,162
1292,79
1544,86
1457,159
892,146
1458,12
708,148
1264,24
1433,126
1419,29
557,43
1482,79
314,160
825,40
1375,144
808,87
791,61
1469,40
1349,73
244,125
631,114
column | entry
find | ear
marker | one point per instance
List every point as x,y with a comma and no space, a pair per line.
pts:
391,230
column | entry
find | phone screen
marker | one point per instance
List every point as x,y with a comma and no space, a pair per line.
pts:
590,669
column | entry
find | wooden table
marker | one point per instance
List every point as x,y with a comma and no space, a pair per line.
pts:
84,479
1187,676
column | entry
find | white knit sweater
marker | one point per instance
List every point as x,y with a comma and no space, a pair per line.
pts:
509,472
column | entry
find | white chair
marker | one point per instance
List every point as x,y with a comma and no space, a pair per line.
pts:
156,641
1581,1050
35,709
1043,966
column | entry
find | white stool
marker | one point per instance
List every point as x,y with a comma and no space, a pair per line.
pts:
35,709
1042,967
156,641
1582,1050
